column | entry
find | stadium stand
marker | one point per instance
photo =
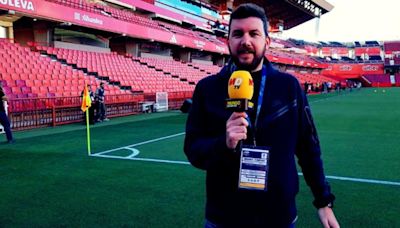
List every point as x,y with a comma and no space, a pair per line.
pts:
147,75
63,55
132,75
373,43
392,50
133,18
180,70
285,57
313,78
286,43
29,74
397,79
378,80
392,46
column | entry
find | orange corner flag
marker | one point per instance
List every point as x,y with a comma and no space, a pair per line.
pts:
86,101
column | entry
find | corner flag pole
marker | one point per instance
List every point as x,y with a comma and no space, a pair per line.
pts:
86,103
88,131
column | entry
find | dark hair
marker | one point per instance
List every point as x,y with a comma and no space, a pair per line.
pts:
250,10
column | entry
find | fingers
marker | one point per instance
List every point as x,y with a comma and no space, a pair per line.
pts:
236,129
325,224
333,222
237,119
327,218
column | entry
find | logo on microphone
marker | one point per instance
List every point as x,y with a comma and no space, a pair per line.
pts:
240,91
237,82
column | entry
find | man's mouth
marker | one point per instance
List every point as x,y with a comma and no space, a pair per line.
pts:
246,52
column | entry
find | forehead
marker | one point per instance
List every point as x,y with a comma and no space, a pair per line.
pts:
247,24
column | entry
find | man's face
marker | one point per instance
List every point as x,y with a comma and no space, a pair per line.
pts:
248,43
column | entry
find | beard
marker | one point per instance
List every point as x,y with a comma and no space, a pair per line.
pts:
247,66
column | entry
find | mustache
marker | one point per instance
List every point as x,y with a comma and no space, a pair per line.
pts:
246,50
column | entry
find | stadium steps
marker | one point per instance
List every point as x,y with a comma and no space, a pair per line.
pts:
119,70
189,73
102,78
204,68
28,74
163,67
377,80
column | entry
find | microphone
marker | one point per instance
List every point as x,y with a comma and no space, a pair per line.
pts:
240,91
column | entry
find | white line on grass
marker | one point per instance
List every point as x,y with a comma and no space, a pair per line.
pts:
131,157
364,180
142,159
138,144
157,139
369,181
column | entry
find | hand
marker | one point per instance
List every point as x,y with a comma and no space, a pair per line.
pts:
327,218
236,129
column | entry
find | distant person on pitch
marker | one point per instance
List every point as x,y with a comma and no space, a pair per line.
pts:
4,121
249,156
101,108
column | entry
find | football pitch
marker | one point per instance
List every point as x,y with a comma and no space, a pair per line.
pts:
138,176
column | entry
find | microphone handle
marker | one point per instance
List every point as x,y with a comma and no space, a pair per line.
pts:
240,143
239,146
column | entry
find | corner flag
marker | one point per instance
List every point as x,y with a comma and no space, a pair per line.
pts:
86,101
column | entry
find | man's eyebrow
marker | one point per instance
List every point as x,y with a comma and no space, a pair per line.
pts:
241,30
255,30
238,30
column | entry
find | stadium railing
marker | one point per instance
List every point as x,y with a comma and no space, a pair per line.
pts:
28,113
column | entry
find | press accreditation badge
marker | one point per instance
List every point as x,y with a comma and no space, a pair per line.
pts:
254,165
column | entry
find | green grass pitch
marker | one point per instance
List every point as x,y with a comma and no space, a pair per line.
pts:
47,179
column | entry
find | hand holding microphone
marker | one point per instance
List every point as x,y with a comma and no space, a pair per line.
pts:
240,90
236,129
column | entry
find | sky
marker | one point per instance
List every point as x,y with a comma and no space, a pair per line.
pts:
353,20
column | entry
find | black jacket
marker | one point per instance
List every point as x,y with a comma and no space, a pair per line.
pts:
285,124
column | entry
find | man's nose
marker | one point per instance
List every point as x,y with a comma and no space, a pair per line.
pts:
246,40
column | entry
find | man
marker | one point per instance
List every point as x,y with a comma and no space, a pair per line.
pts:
283,124
101,108
3,116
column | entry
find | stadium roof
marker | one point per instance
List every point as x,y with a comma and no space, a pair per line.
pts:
291,12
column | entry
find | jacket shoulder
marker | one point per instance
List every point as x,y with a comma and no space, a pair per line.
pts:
285,76
212,80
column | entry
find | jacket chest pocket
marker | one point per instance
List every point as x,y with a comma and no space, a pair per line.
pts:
282,114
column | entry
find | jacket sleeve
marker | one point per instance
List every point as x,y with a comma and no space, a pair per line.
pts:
309,155
203,148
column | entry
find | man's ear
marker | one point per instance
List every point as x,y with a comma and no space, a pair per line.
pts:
267,42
